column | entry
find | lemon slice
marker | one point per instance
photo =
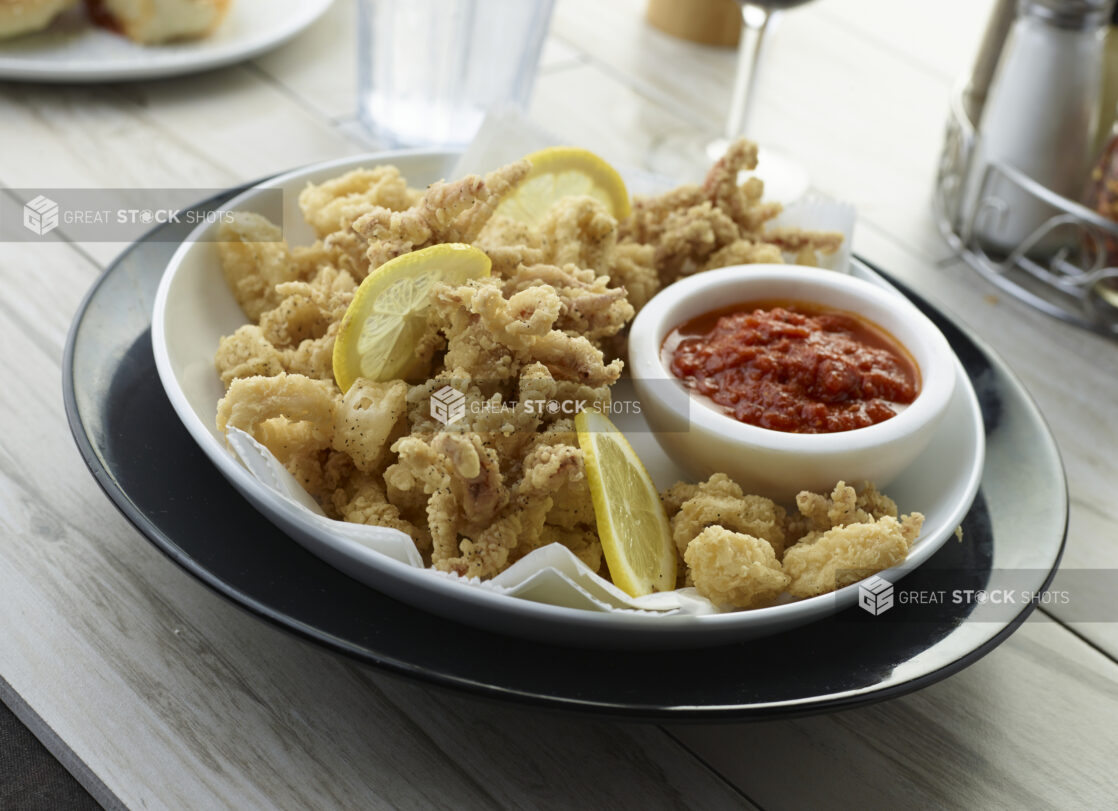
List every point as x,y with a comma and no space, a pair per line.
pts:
633,527
388,313
564,171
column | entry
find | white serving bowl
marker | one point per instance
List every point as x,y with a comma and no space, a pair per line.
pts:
777,463
194,308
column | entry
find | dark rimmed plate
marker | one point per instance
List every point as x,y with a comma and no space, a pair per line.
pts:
140,454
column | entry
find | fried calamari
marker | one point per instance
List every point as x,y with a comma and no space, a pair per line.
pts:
507,476
835,539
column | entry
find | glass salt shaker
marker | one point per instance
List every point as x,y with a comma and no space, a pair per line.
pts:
1040,118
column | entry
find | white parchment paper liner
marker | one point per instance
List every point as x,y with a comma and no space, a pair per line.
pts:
551,574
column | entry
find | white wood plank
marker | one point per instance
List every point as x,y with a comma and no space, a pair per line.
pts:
243,124
1032,725
588,107
210,132
319,67
557,55
941,37
176,698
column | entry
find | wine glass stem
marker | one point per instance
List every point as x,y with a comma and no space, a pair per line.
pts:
755,21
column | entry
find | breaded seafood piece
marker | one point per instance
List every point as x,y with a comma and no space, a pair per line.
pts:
462,479
307,309
827,560
292,416
251,401
689,224
741,202
298,447
492,549
362,500
579,236
575,231
368,419
420,420
573,507
579,231
489,334
844,505
590,307
748,252
247,353
583,541
720,501
524,246
447,212
674,496
333,206
344,250
289,440
546,468
254,258
304,323
794,240
313,357
690,238
722,222
733,569
486,346
633,267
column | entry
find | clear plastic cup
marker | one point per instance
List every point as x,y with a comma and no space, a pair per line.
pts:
429,70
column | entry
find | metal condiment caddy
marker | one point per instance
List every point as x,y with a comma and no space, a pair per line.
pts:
1072,281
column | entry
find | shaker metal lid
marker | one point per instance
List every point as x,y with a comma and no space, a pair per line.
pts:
1076,14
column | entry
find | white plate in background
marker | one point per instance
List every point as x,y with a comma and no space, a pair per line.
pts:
75,51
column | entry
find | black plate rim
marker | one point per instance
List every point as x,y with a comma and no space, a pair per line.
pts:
597,709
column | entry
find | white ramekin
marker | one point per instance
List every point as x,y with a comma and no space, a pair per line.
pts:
777,463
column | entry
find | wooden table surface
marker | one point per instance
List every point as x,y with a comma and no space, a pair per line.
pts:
158,693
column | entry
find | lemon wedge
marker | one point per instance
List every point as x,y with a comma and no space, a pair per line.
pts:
633,527
564,171
388,313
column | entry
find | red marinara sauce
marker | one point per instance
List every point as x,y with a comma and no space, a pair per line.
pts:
793,366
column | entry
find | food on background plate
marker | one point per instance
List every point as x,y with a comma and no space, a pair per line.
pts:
149,22
791,366
473,447
19,17
152,22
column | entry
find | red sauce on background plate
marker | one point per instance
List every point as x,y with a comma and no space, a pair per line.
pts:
793,366
101,16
